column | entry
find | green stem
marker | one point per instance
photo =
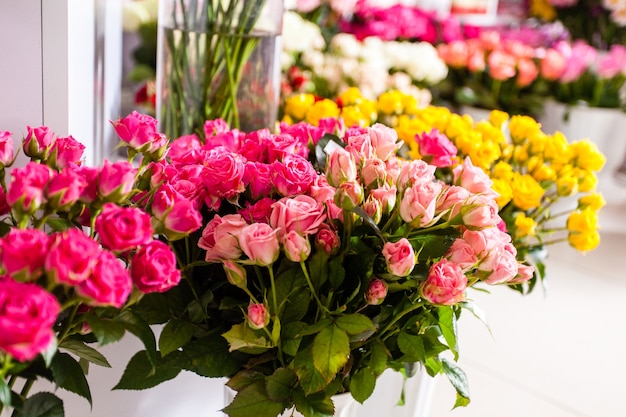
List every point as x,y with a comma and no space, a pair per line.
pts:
273,284
323,309
399,316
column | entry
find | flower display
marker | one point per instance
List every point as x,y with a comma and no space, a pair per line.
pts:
78,246
545,186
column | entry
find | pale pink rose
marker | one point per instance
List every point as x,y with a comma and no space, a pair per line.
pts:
552,65
394,166
90,175
485,240
72,257
301,214
182,146
373,208
139,132
109,284
260,243
501,65
473,178
235,274
340,167
452,198
258,212
400,257
293,176
527,72
462,254
360,147
445,285
524,274
219,237
26,189
613,63
327,240
68,152
436,148
480,212
27,315
418,203
296,247
349,195
279,146
321,191
476,61
116,180
454,54
499,266
258,177
121,229
374,172
386,195
23,252
384,140
177,216
343,7
306,6
222,176
153,268
415,171
376,292
258,316
6,149
65,189
38,142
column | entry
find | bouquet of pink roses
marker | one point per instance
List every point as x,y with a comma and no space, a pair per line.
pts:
79,245
323,259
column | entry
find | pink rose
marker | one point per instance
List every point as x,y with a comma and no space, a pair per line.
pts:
176,215
499,266
445,284
4,207
452,198
340,167
68,152
553,65
26,190
116,180
219,237
90,175
121,229
38,142
296,247
480,212
417,206
501,65
282,145
6,149
376,291
400,257
373,208
222,176
65,189
293,176
524,273
349,195
27,314
527,72
257,176
260,243
360,147
462,254
327,240
258,212
139,132
384,140
258,317
215,127
109,284
72,257
153,268
230,140
22,253
386,195
235,274
485,240
183,145
301,214
374,173
415,171
321,191
436,148
474,179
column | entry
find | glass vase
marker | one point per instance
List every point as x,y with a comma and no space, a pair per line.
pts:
218,59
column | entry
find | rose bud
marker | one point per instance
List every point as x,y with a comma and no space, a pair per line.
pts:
257,316
376,292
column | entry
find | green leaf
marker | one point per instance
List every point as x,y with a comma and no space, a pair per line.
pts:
152,308
318,268
141,373
368,221
447,324
68,374
316,327
378,358
291,337
42,404
106,330
253,401
83,351
331,348
58,225
210,357
362,384
354,323
175,334
433,366
280,384
5,393
314,405
310,378
140,328
244,378
412,346
50,352
197,309
242,337
292,294
477,312
458,379
336,273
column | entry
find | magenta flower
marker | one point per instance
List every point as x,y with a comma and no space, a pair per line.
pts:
436,148
109,284
7,153
72,257
153,268
38,142
115,180
23,252
121,229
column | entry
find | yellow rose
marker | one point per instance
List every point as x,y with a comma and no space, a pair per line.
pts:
352,116
537,143
566,185
584,241
587,156
297,106
390,102
503,188
582,221
497,118
490,132
351,96
527,192
595,201
320,110
409,104
502,170
436,116
522,128
588,181
457,126
520,154
525,226
467,142
484,154
557,149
